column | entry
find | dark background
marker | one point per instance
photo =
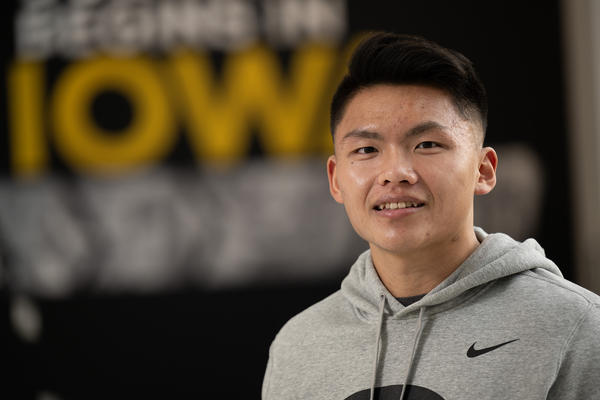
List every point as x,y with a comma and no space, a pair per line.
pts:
200,343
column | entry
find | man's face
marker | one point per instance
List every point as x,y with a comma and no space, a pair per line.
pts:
406,167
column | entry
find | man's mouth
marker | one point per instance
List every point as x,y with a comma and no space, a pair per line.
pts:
400,204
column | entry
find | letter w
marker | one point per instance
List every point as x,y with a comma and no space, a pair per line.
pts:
253,92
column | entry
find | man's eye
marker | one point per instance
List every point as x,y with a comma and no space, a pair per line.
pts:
427,145
366,150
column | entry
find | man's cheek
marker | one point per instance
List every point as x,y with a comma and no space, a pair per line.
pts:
358,177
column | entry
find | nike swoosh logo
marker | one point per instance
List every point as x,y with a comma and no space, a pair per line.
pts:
473,352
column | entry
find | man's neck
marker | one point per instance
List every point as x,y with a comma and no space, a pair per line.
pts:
418,272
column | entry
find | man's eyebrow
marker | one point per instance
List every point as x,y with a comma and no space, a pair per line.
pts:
362,134
424,127
414,131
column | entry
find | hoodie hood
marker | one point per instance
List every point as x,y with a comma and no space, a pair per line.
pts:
497,256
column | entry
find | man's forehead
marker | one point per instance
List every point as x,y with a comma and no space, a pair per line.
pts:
397,101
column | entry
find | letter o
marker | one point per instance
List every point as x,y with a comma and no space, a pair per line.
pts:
83,144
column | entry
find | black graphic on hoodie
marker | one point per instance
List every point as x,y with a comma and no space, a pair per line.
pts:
393,393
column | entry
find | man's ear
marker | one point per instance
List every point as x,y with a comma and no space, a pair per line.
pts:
487,171
334,189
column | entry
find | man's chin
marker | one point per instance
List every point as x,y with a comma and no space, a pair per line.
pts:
397,246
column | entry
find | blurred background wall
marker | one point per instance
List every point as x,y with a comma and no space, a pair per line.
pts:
581,45
163,198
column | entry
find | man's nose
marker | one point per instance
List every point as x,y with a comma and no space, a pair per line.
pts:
397,170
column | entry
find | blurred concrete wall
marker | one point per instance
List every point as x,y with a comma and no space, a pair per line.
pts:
581,19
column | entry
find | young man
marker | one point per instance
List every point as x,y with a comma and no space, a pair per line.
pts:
435,309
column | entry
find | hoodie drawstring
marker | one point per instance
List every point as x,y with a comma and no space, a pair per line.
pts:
377,343
413,352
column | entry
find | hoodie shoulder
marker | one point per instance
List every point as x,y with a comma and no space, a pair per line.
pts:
320,318
544,299
306,349
563,289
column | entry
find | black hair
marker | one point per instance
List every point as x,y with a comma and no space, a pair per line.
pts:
390,58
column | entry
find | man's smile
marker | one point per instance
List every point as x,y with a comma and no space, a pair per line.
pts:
395,208
394,204
398,205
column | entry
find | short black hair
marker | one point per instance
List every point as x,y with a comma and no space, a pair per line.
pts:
391,58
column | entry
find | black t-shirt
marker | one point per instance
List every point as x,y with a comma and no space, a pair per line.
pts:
407,301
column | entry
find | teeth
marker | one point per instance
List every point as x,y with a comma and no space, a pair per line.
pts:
400,204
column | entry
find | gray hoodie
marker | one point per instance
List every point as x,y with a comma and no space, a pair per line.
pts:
504,325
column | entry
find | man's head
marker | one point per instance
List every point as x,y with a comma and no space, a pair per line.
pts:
403,60
408,154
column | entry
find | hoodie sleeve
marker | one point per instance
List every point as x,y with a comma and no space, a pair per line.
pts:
579,369
266,379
